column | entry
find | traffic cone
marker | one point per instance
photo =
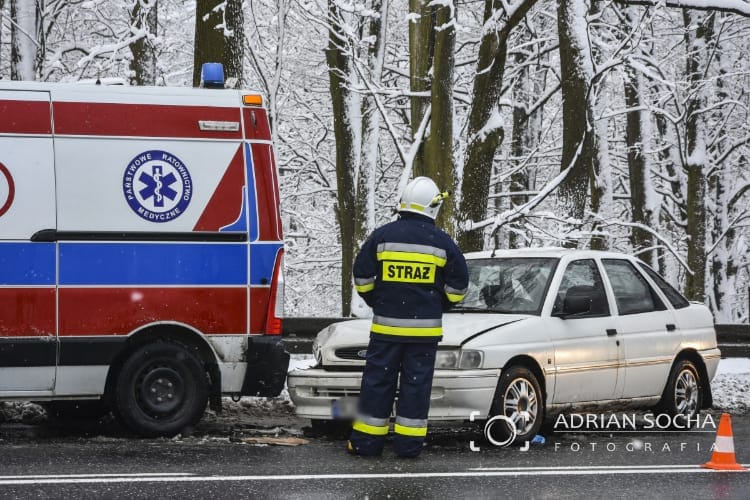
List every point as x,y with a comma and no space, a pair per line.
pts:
723,455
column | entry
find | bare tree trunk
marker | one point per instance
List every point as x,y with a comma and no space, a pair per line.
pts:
485,130
638,170
520,143
214,18
421,51
143,16
584,141
209,41
723,235
27,39
440,165
699,43
339,71
637,137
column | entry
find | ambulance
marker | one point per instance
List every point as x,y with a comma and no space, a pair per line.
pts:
141,251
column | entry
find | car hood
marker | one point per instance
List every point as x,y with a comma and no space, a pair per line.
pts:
457,329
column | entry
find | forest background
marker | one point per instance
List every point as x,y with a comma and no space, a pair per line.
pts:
620,125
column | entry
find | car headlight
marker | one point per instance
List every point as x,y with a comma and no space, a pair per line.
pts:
461,359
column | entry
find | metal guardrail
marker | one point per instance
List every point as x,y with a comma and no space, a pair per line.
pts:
299,333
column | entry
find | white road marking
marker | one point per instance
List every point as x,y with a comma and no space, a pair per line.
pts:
77,476
472,473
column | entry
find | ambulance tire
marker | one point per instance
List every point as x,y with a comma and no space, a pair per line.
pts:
162,390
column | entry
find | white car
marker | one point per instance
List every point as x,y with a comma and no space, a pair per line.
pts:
541,331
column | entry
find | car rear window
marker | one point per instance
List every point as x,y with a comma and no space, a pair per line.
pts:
674,297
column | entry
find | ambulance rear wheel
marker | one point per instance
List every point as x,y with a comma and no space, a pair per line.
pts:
162,389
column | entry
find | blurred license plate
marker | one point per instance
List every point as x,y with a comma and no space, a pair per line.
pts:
344,408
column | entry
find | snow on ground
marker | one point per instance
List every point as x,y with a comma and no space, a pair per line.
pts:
730,387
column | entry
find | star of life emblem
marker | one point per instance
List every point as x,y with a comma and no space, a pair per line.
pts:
157,186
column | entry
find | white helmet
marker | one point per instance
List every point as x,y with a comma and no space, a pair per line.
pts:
422,196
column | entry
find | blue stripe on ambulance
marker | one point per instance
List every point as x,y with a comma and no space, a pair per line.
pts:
153,264
26,263
252,199
262,259
240,225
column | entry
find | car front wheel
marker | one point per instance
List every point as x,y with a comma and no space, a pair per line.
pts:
683,395
518,407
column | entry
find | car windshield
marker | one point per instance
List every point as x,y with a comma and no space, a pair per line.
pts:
507,285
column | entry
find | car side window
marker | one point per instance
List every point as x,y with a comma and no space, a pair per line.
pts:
632,292
583,275
675,297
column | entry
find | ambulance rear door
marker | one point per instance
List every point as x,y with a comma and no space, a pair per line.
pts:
28,344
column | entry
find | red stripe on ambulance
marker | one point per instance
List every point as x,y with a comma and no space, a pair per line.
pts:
225,205
267,187
25,117
119,311
27,312
141,120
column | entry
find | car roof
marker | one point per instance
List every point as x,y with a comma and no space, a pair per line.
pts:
554,252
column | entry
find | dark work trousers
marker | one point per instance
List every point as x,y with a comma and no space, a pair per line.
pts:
415,362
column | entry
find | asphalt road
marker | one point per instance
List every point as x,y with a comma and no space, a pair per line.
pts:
222,459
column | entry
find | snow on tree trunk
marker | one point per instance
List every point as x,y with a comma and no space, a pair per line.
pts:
699,29
421,51
275,87
374,56
2,25
143,19
346,125
486,129
639,170
27,46
219,37
439,163
234,35
584,140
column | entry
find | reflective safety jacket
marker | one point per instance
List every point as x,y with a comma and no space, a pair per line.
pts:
409,272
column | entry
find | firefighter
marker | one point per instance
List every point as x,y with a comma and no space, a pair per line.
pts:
409,272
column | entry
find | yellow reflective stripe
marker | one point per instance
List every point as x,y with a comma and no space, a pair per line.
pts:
413,206
410,431
374,430
407,331
412,257
365,288
455,297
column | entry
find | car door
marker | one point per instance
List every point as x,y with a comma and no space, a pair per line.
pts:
587,356
645,327
28,342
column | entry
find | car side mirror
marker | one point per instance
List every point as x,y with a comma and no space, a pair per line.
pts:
577,301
